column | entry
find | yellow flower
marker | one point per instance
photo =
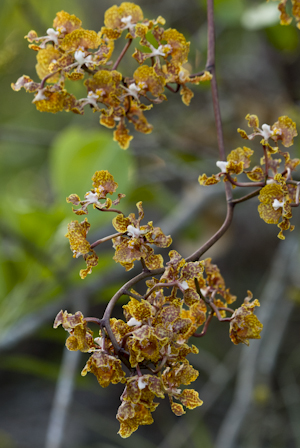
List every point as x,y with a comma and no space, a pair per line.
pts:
123,17
150,79
80,246
106,368
284,129
81,337
245,325
275,203
134,243
130,416
44,58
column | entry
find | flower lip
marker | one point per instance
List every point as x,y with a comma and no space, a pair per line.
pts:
222,165
91,197
81,59
266,131
127,21
39,96
53,35
141,383
277,204
134,232
184,285
133,322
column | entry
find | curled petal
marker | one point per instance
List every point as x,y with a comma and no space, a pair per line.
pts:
67,22
149,80
245,325
104,182
106,368
204,180
190,399
91,261
114,15
121,135
285,130
80,38
130,416
179,46
77,236
44,58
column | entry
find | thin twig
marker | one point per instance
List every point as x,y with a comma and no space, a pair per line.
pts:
115,66
210,65
131,294
248,196
159,286
173,90
199,252
244,184
109,210
106,238
206,325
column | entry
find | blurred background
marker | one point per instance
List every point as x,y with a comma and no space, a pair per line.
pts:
251,394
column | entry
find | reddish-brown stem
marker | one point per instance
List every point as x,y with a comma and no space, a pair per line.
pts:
210,65
158,286
115,66
198,253
126,287
131,294
244,184
145,269
110,210
94,320
173,90
224,308
138,370
107,238
47,77
245,198
194,75
203,332
216,310
116,297
266,161
161,365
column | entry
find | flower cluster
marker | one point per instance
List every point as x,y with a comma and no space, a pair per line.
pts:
132,242
70,52
152,341
278,191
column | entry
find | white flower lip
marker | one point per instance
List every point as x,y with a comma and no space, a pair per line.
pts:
53,35
133,322
81,59
134,88
39,96
126,20
133,232
141,383
277,204
266,131
91,197
222,165
184,285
